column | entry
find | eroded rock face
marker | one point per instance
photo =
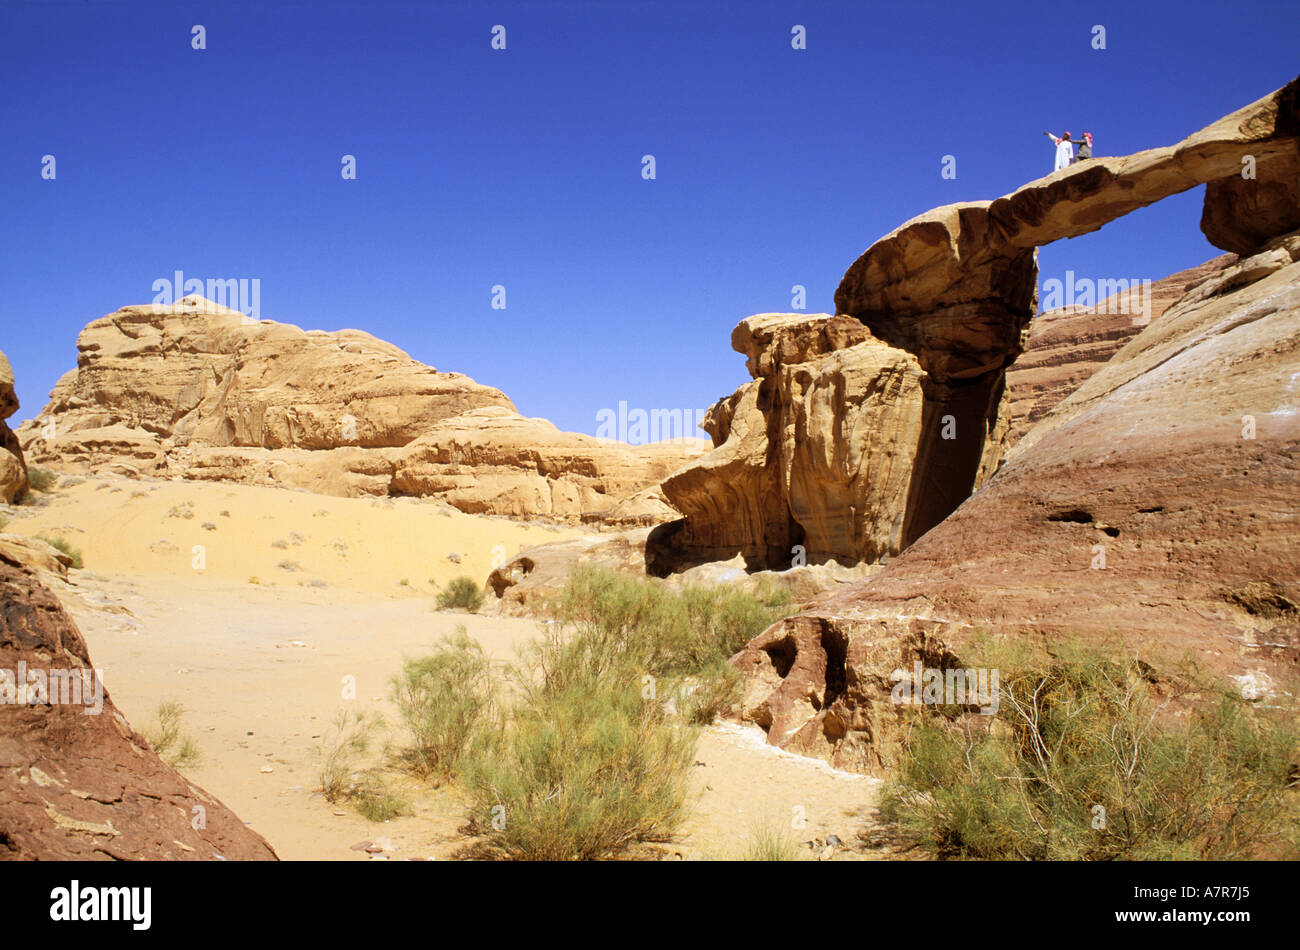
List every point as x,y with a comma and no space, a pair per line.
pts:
494,461
956,285
195,390
842,449
1066,346
152,380
1241,214
948,288
804,452
13,469
87,787
537,575
1154,507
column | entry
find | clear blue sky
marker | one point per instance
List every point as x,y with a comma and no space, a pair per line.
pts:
523,167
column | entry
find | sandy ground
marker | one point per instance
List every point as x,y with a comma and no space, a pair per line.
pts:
205,532
263,668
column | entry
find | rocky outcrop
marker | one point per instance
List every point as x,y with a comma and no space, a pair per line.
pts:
195,390
534,577
1067,345
1245,210
13,469
47,563
494,461
1154,507
813,459
530,583
76,781
946,298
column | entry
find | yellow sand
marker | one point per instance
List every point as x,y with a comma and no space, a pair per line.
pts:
210,533
262,669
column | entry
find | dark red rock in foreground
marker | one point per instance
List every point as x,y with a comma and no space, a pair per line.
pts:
75,786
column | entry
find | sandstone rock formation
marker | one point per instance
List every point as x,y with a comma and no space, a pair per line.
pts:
75,786
1241,213
494,461
13,469
1155,506
47,563
807,455
196,390
537,575
946,299
1065,346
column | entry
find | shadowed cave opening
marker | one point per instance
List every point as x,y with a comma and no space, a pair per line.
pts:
955,421
782,653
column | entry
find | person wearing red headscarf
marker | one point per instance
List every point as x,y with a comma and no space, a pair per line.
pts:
1085,148
1064,150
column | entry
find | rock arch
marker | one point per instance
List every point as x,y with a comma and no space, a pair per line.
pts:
838,441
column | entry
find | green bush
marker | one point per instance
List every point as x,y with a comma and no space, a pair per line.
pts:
445,699
41,479
341,780
582,770
665,634
1080,764
595,752
375,799
339,752
461,594
165,735
62,545
767,843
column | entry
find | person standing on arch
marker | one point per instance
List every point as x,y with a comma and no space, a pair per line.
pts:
1064,150
1085,148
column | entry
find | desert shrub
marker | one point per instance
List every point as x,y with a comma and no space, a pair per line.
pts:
768,843
340,749
1080,764
62,545
375,799
165,734
461,594
41,479
585,767
669,632
726,619
703,698
444,699
595,752
341,780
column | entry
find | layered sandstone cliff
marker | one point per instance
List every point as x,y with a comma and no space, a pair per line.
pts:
807,457
195,390
1067,345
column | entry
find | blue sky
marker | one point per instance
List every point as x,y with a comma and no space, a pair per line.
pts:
522,167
